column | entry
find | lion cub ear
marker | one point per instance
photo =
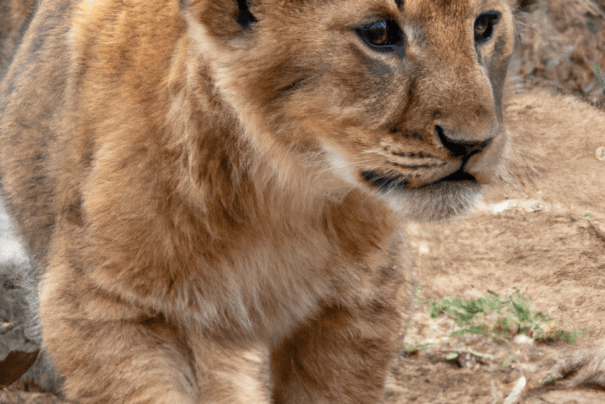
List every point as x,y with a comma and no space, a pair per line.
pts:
222,18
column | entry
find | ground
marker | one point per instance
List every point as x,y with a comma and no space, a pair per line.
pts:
547,238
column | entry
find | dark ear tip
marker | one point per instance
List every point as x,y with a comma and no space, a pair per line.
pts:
245,17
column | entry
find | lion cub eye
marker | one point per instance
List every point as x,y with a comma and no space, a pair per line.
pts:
382,36
484,26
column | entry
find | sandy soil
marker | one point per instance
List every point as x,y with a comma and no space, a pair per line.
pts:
543,232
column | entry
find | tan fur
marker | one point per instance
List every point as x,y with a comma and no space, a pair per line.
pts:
14,16
199,195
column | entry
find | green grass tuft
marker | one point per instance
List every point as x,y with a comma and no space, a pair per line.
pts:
498,318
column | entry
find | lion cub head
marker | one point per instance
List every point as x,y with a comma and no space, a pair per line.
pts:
399,98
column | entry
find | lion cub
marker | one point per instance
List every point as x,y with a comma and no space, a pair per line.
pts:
201,181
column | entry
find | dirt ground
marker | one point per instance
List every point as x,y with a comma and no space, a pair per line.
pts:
543,232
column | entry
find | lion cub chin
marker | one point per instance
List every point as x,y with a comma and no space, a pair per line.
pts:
213,189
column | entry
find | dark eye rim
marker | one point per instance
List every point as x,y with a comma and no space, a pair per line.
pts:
395,41
492,17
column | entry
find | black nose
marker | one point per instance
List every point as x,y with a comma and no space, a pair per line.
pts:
461,148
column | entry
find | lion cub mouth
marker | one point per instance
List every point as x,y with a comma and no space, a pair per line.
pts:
391,182
458,176
453,162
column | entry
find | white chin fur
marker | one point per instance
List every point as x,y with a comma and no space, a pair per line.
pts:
436,202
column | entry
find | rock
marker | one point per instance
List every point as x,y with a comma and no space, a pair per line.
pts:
523,340
600,153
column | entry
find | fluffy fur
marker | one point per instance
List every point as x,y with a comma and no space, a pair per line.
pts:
204,183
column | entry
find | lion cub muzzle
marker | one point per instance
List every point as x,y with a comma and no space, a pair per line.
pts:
442,144
477,150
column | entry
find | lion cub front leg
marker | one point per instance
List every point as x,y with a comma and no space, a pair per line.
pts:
123,362
230,372
342,356
135,362
110,352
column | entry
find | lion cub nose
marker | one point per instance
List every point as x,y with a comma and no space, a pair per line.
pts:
459,148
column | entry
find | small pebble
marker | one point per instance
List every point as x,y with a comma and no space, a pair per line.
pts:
600,153
7,326
523,339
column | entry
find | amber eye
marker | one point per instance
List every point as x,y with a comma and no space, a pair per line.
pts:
382,36
375,33
484,26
